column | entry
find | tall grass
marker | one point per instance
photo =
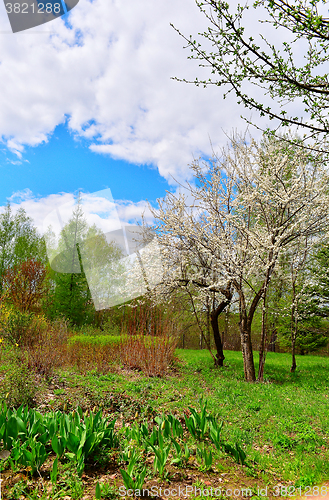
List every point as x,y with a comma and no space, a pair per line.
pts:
150,342
47,349
147,343
100,356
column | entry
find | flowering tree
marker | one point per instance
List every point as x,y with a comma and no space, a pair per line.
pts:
241,58
247,206
190,271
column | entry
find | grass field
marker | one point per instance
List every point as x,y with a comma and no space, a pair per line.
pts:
281,425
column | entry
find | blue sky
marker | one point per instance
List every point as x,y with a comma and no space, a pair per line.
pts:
66,164
88,102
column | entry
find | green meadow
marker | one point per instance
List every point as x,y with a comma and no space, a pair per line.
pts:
197,425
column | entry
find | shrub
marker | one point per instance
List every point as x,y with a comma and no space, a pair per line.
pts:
147,342
151,341
89,352
48,349
43,342
102,340
26,284
17,381
21,327
151,355
14,324
148,353
90,355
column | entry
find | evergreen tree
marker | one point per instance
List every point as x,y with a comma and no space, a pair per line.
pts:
87,271
71,296
318,286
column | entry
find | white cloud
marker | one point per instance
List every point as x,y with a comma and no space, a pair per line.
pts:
98,210
130,212
15,147
21,196
37,208
108,75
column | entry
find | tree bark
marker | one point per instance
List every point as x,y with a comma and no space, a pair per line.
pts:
214,325
208,321
272,345
293,342
218,341
262,346
225,332
200,342
293,356
245,323
247,353
293,329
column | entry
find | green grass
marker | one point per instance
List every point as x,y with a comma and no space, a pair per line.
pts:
112,340
96,340
283,424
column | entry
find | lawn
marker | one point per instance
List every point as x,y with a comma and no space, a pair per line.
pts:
274,440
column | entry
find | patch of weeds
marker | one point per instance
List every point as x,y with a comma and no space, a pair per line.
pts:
58,392
16,492
103,456
18,384
109,492
284,441
76,488
308,479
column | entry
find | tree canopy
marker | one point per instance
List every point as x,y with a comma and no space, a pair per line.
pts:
19,241
248,206
292,70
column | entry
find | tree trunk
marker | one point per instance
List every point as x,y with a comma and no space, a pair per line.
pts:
293,356
218,341
293,330
245,332
225,333
272,345
262,346
248,357
214,325
98,319
208,321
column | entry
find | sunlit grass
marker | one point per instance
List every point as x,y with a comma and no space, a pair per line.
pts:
283,423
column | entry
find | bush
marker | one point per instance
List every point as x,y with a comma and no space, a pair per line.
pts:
43,342
148,353
151,355
26,283
312,335
14,324
89,355
111,340
48,350
151,341
17,381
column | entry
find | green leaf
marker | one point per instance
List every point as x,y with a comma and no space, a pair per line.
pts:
54,471
98,493
73,442
128,481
